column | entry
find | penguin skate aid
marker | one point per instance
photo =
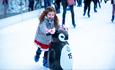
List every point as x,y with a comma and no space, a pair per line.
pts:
59,54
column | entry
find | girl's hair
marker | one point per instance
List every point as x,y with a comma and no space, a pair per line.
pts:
45,12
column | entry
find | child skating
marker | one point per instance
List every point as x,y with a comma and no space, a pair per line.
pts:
48,24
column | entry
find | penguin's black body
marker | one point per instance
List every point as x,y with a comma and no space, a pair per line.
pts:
54,54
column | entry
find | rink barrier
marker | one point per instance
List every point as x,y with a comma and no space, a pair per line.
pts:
19,18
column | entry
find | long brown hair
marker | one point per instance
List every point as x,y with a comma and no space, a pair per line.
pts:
45,12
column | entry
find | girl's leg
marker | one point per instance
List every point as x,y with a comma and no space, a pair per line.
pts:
37,56
45,54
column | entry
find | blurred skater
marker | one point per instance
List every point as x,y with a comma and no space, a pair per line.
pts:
31,5
113,10
5,4
71,8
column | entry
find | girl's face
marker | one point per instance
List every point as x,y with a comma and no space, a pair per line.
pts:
51,15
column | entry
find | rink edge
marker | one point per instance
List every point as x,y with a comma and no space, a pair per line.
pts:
18,18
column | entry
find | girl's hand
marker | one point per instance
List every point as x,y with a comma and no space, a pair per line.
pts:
48,30
52,31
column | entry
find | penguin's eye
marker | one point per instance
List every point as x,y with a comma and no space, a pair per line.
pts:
61,37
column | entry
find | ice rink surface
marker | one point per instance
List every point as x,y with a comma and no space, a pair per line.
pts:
92,41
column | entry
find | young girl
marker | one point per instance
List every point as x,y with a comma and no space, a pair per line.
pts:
48,24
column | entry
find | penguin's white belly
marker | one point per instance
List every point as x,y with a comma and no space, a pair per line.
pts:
66,58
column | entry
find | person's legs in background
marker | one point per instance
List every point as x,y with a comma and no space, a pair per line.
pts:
113,12
72,15
64,14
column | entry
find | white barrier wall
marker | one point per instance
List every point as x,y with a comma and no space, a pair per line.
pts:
18,18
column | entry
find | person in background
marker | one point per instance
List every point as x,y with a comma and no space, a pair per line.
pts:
71,8
47,3
87,7
57,6
31,5
113,10
98,2
79,2
95,5
38,4
5,3
48,24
